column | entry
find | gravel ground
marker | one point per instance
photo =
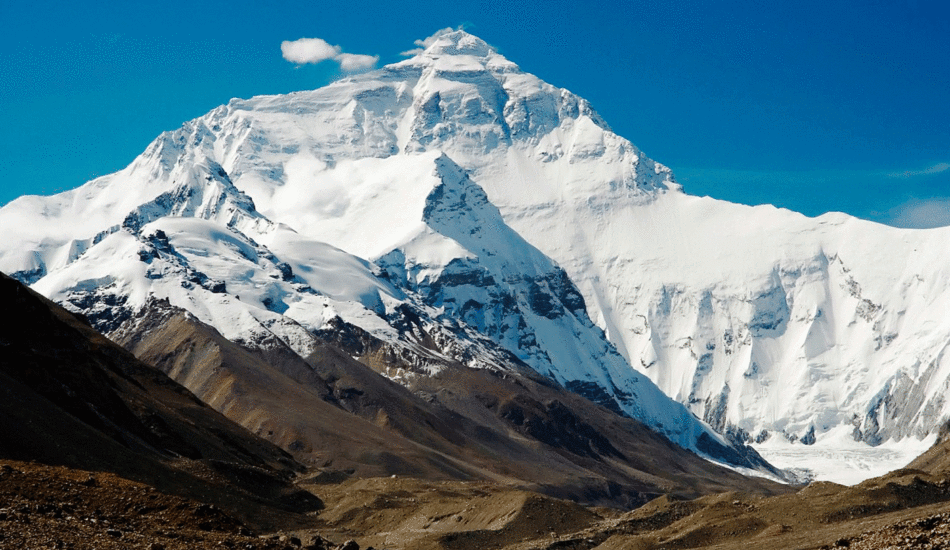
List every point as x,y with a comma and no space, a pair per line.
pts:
43,507
930,533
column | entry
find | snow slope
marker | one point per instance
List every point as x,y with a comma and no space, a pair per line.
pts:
769,325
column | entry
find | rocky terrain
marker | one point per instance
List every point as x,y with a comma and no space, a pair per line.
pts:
57,507
906,509
71,397
928,533
49,507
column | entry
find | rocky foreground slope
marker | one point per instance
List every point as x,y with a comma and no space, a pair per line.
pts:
57,507
71,397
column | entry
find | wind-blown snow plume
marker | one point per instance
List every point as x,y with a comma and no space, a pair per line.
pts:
935,169
423,43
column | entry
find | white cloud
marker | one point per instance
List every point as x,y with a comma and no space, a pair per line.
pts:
423,44
317,50
922,214
350,62
935,169
308,50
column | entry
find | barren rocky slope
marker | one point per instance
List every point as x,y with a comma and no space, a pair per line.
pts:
69,396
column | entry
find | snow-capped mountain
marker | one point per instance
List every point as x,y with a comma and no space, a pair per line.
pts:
451,282
518,229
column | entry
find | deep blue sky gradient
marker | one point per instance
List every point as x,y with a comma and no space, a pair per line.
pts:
813,106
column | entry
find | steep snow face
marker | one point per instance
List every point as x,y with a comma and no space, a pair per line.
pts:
172,177
776,325
274,289
473,267
763,322
193,263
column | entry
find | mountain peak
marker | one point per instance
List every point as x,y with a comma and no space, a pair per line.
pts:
456,42
456,50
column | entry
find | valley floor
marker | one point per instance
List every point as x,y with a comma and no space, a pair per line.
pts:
49,507
903,509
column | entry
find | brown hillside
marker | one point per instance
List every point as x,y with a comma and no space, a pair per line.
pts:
333,411
69,396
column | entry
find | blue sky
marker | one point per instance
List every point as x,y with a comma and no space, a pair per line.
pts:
809,106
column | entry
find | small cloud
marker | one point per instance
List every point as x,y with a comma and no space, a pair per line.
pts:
308,50
922,213
423,44
351,62
318,50
935,169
